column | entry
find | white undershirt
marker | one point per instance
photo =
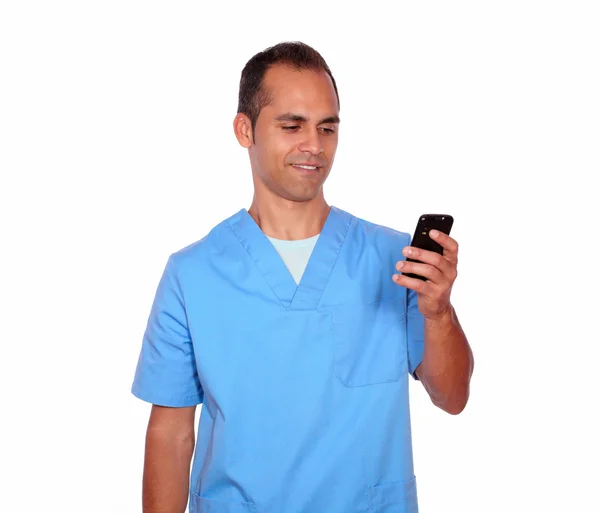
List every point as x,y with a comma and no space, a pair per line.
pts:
295,254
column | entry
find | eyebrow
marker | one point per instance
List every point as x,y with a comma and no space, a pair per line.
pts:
288,116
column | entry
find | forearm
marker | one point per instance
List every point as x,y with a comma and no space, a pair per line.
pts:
447,363
166,471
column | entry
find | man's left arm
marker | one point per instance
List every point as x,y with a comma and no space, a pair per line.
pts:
447,364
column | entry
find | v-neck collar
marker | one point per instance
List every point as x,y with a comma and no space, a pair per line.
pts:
307,294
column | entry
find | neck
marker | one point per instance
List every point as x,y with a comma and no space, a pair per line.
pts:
290,220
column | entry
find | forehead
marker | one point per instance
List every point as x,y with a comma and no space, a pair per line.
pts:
306,92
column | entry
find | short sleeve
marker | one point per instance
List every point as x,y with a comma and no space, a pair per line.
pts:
166,372
415,330
416,333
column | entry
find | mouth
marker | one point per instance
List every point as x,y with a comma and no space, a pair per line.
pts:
307,168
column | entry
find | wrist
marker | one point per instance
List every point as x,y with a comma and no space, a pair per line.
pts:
444,317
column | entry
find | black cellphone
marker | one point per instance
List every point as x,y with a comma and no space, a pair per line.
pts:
422,240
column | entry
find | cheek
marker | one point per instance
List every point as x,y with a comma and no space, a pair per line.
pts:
282,148
330,147
273,154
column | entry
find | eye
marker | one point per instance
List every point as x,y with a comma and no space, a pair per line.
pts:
290,128
327,131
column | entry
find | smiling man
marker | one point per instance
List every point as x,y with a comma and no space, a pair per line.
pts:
289,323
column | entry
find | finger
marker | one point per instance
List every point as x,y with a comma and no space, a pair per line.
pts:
448,243
443,263
433,274
419,286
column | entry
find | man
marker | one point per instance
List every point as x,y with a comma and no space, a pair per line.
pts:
288,322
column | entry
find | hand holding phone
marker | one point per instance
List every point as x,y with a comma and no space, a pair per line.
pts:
422,240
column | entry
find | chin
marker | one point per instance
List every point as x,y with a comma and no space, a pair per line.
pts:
300,197
297,192
306,199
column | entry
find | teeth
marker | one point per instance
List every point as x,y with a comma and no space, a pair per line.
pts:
312,168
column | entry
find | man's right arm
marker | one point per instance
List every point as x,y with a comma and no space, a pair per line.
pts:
170,439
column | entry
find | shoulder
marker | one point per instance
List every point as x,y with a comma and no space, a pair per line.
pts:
203,250
374,233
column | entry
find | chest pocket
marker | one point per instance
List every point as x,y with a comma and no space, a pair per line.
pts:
370,342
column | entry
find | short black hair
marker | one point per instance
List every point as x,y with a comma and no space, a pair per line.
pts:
253,96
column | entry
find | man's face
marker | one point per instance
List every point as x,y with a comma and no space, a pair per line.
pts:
296,136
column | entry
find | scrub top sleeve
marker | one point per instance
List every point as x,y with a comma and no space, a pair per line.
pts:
166,372
415,330
416,333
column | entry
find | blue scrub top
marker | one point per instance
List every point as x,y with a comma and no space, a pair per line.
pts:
304,388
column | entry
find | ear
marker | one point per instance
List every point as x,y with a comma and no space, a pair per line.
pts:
243,130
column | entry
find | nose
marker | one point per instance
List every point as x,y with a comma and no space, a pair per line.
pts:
312,143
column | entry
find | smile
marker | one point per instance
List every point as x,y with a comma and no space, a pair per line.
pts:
307,168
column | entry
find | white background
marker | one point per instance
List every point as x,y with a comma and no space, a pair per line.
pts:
117,149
